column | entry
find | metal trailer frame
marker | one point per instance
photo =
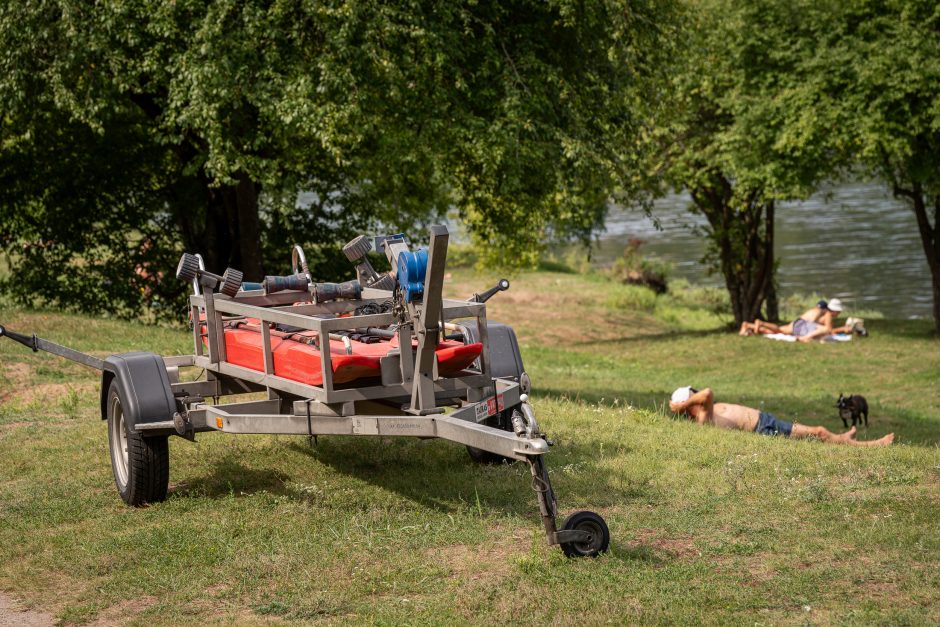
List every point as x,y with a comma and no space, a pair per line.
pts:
145,401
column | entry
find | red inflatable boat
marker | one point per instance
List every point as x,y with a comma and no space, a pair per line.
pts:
297,357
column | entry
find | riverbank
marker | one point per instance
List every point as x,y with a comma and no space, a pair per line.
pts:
850,239
707,525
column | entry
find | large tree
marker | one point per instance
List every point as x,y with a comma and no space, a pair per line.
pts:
727,133
135,129
877,71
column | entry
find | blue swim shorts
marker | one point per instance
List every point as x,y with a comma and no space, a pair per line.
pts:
768,424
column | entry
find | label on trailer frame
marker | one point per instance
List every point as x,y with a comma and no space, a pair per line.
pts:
489,407
494,404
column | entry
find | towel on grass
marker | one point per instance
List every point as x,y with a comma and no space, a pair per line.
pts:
783,337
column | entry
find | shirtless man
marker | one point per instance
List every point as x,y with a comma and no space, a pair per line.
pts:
700,406
813,324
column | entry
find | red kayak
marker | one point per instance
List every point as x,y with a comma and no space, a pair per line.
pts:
298,359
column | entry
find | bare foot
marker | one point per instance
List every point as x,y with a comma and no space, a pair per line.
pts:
840,438
849,438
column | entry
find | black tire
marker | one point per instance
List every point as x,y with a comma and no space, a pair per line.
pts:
187,268
231,282
500,421
485,457
595,525
141,465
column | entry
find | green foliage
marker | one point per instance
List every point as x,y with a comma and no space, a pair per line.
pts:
631,297
636,268
875,77
461,256
729,130
195,125
711,299
772,97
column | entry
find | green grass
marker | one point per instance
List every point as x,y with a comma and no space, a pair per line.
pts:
707,526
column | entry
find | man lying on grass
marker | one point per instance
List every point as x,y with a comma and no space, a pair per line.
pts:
700,406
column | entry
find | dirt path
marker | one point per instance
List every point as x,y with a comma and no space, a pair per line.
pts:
12,614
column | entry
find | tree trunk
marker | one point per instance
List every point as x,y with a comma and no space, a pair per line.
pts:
217,243
928,238
248,228
773,305
770,283
233,229
742,244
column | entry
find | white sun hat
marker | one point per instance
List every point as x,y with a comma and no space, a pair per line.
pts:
682,394
835,305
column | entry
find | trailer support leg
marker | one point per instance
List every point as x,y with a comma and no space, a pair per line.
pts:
548,508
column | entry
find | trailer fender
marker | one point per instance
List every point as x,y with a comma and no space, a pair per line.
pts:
505,356
144,387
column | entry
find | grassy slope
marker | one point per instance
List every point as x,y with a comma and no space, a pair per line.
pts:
707,526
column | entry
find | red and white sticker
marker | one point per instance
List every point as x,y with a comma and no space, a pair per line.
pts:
494,404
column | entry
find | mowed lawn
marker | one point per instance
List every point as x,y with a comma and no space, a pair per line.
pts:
706,525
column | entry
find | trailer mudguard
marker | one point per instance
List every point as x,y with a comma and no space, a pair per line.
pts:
144,387
505,357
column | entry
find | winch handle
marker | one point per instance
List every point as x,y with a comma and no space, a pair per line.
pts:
501,285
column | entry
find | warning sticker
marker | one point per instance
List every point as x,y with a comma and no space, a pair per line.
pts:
491,406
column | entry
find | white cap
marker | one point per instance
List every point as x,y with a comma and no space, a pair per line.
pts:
682,394
834,305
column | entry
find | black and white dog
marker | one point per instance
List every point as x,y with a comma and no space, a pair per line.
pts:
854,407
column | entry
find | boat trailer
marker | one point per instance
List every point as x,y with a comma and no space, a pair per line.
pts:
484,406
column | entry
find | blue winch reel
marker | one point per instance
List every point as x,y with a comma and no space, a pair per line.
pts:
412,268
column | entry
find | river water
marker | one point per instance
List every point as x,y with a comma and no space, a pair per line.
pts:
851,240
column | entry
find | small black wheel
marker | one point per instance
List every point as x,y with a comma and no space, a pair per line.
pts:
231,282
357,248
141,465
187,268
593,524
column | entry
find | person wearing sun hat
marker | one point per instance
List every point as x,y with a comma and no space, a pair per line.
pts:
700,406
814,323
823,325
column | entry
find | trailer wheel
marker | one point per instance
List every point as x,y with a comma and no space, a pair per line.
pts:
500,421
592,523
141,465
485,457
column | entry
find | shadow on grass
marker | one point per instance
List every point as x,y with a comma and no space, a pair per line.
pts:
436,474
652,337
230,477
442,476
